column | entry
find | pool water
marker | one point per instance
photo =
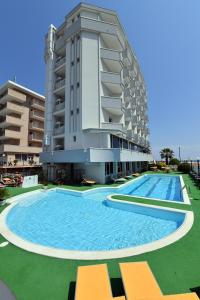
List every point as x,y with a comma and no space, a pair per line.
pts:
85,221
156,186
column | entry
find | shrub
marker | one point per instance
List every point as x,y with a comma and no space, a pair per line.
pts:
15,161
160,165
3,193
184,168
174,161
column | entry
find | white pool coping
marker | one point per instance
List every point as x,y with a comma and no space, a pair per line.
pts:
94,255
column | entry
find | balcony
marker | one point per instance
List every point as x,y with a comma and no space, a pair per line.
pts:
38,104
60,45
59,107
59,130
112,81
37,115
128,115
112,104
13,95
10,121
10,134
35,137
10,107
112,59
112,126
60,62
59,84
37,126
127,59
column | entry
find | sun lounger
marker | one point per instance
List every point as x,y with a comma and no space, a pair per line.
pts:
128,177
136,174
8,181
139,282
93,283
88,181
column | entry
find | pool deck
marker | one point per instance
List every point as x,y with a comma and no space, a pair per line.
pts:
176,267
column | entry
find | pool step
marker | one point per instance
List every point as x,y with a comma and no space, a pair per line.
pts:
137,187
153,188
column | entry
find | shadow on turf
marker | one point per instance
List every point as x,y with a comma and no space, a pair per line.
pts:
196,290
116,285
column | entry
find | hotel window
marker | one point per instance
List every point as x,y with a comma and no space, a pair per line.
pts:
73,20
72,87
110,120
78,59
71,112
74,138
72,40
72,63
77,110
77,85
78,37
108,168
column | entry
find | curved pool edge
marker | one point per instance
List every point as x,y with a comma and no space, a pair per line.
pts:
96,255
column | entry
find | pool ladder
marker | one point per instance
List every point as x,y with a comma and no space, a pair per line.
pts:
184,187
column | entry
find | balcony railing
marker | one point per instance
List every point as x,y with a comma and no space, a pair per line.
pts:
112,126
38,104
59,84
59,130
36,126
37,115
112,104
111,54
60,62
113,78
60,106
36,137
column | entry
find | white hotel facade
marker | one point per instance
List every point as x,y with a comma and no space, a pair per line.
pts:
96,122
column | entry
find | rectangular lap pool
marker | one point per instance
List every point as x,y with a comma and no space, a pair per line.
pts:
155,186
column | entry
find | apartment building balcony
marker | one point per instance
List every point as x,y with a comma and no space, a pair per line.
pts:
113,105
19,149
37,115
59,144
60,45
36,126
10,107
59,130
113,81
12,95
127,58
60,66
10,121
127,94
35,137
40,105
128,115
112,59
134,120
59,87
110,126
126,75
10,134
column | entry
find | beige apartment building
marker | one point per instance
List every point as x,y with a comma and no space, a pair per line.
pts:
21,125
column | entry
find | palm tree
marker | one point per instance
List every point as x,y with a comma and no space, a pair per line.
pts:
167,154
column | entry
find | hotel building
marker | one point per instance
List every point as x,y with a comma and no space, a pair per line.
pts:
21,125
96,122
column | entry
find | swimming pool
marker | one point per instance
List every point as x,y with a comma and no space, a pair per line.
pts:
89,225
161,187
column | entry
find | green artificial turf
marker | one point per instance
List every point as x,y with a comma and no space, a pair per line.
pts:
32,276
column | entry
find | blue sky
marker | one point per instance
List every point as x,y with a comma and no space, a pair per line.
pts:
165,36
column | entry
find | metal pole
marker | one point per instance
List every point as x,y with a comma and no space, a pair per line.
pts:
198,166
